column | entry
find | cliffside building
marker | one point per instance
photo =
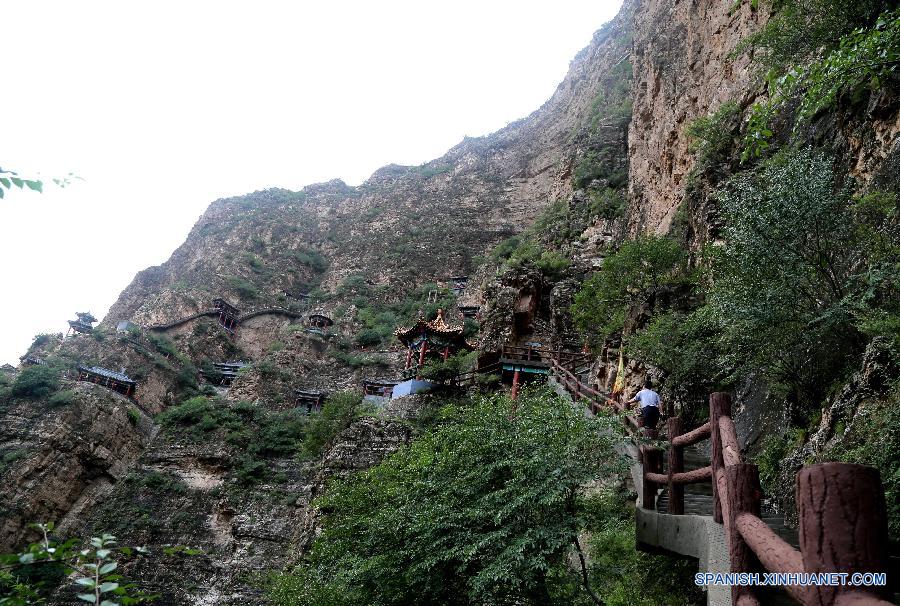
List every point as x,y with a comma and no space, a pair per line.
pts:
310,400
228,314
116,381
318,323
223,372
84,323
435,339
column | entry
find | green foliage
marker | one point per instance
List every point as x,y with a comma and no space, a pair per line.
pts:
801,29
244,288
817,52
62,398
775,447
798,276
36,382
27,577
711,137
339,411
553,229
10,178
627,276
312,259
592,167
257,433
441,371
688,347
606,203
431,170
874,439
482,509
134,417
11,456
623,575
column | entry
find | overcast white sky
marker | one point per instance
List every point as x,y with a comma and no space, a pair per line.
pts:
163,107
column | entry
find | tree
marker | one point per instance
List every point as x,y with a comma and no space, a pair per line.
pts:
799,271
483,509
627,276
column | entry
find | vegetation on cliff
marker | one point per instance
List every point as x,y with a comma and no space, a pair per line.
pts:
490,505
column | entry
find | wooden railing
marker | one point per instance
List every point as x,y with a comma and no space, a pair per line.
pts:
570,359
843,522
594,399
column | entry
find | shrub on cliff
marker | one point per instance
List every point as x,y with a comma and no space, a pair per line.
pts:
486,508
626,277
801,273
36,382
339,411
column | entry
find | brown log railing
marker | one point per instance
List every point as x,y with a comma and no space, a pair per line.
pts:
595,400
843,521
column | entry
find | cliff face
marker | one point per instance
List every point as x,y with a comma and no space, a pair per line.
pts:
682,71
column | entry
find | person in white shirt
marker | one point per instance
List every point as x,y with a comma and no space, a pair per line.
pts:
649,404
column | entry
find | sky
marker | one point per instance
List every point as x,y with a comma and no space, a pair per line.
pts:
160,108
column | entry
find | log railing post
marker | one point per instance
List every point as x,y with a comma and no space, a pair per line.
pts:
652,459
719,406
743,496
843,526
675,428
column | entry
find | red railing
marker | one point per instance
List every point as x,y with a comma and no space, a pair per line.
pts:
843,522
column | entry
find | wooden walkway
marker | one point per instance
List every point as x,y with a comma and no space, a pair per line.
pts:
708,508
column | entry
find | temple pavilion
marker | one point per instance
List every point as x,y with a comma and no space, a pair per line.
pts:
116,381
84,323
317,322
228,314
435,339
310,400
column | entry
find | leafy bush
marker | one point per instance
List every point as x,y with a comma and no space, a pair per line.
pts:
795,275
339,411
36,382
62,398
452,367
606,203
312,259
244,288
817,52
874,439
627,276
592,167
483,509
711,137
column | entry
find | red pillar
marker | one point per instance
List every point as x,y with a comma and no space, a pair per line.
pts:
409,357
422,352
515,385
446,353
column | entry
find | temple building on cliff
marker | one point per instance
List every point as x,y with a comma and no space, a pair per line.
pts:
228,314
116,381
435,339
84,324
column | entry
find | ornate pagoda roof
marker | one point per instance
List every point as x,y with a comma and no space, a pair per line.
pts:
437,327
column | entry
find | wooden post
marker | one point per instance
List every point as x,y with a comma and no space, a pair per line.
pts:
446,353
743,496
675,427
843,525
652,459
515,385
422,350
409,357
719,406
